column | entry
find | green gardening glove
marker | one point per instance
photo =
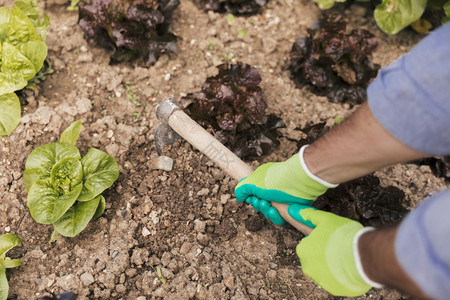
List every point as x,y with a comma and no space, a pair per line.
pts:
285,182
329,255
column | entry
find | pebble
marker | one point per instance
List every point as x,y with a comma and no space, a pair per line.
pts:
50,282
120,288
212,31
42,115
7,229
83,106
162,61
185,248
141,298
272,274
224,198
217,61
145,231
84,58
148,208
164,163
199,225
167,77
110,134
131,272
155,220
87,278
36,253
269,44
203,191
26,119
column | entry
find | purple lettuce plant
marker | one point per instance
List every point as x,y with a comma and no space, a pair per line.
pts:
335,63
232,105
131,28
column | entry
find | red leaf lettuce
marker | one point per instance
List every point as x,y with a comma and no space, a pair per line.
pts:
335,64
232,105
131,28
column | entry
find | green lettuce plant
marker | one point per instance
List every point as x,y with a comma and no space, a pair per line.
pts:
65,189
22,54
7,241
394,15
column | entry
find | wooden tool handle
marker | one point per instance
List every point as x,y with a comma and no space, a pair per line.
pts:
221,155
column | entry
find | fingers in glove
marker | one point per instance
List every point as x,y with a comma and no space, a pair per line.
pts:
255,202
274,216
297,211
266,208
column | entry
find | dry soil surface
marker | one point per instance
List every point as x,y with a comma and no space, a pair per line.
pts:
175,234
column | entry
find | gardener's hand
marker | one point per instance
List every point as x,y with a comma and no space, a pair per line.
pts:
286,182
329,255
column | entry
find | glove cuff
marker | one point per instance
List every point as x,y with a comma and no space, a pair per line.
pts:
309,173
358,258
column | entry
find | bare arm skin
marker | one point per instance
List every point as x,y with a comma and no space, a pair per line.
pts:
380,264
359,146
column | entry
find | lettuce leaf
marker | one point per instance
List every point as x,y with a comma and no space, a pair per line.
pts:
394,15
63,188
7,241
9,113
77,217
22,54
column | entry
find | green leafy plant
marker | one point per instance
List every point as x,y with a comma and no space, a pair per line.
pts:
160,276
22,54
65,189
394,15
7,241
73,5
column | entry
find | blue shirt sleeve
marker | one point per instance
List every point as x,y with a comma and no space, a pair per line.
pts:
411,97
422,246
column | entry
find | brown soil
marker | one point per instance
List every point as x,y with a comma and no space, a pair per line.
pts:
184,224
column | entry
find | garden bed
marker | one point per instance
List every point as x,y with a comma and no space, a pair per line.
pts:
175,234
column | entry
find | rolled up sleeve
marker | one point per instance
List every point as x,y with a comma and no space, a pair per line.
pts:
411,97
422,246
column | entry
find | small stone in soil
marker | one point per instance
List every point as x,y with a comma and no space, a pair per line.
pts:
87,278
199,225
164,163
145,231
224,198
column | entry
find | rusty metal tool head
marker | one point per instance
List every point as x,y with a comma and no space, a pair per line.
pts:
164,134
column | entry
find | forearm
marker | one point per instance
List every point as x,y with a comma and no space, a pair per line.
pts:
360,145
379,261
